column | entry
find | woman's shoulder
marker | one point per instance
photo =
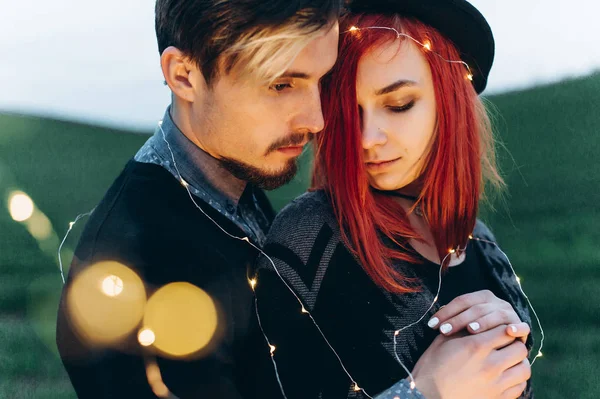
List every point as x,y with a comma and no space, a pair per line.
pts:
482,231
302,218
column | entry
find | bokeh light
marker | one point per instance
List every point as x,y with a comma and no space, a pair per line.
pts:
112,285
100,316
183,317
20,206
146,337
155,380
39,226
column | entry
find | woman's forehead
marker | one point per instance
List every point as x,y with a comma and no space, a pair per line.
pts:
390,62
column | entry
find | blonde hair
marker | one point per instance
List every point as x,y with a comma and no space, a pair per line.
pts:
265,54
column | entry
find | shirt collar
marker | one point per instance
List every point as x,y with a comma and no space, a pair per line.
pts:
196,166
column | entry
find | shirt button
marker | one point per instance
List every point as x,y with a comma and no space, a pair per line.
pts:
230,208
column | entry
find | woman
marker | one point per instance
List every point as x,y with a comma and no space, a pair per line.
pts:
350,295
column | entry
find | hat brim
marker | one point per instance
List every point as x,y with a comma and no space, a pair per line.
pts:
457,20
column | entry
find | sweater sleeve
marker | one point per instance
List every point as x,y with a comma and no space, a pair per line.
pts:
401,390
505,272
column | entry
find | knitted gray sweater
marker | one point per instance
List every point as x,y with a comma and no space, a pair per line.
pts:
344,347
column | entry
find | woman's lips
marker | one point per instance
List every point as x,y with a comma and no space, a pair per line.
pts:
373,166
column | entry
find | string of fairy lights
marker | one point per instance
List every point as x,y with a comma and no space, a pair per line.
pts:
155,379
425,45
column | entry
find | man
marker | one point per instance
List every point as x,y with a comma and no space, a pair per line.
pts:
189,208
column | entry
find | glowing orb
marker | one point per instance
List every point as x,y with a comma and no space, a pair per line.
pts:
20,206
183,317
106,302
112,285
39,226
146,337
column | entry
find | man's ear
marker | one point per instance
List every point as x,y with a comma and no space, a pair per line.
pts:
181,74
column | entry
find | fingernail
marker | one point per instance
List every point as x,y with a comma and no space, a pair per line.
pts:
513,328
433,322
474,326
445,328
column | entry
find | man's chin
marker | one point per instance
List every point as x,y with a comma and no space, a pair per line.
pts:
265,180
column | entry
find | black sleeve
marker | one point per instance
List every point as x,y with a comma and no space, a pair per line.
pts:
121,372
98,372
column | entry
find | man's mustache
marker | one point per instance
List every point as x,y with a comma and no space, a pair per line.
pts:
292,140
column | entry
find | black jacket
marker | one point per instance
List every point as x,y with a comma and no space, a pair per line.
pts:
147,222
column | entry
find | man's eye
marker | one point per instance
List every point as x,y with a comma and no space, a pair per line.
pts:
279,87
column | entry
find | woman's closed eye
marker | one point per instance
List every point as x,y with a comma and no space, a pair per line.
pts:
401,108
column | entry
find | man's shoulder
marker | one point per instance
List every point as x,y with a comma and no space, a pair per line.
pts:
141,193
144,206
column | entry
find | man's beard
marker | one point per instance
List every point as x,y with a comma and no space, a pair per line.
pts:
258,177
262,179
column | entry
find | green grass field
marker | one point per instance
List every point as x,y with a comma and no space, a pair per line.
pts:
548,224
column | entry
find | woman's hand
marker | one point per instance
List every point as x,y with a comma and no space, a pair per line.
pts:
478,312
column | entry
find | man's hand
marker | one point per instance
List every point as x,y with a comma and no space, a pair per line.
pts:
490,365
478,312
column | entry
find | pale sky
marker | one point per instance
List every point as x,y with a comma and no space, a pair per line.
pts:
97,61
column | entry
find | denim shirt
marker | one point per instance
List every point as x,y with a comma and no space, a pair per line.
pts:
206,178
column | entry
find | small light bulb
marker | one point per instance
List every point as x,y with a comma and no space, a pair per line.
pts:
112,286
356,387
518,279
184,183
253,283
427,46
435,299
470,77
540,354
353,29
304,310
397,333
412,385
71,225
272,349
452,251
146,337
160,123
470,237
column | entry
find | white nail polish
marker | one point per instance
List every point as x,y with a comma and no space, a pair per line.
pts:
474,326
433,322
513,328
445,328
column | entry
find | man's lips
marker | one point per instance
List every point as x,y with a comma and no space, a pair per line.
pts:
292,149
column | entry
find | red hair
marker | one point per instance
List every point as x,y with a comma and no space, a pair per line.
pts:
451,180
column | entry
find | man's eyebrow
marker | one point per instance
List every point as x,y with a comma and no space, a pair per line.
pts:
295,74
395,86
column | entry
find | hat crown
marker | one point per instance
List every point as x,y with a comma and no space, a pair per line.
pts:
457,20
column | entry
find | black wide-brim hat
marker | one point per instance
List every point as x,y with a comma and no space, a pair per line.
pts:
457,20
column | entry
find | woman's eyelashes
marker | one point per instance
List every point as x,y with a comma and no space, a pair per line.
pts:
401,108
